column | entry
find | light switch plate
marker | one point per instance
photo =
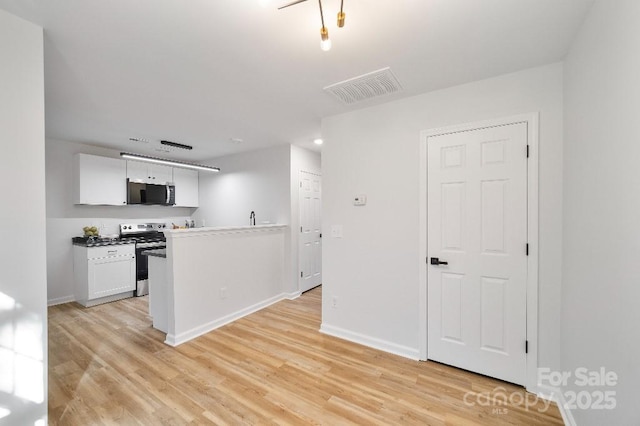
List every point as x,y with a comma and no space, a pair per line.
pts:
336,231
360,200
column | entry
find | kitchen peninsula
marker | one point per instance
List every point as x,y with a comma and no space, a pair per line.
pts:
213,276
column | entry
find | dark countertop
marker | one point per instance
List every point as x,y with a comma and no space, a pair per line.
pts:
98,242
157,253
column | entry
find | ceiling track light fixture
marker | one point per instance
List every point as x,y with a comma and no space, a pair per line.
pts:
176,145
325,42
166,162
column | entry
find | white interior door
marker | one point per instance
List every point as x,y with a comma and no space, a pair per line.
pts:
310,243
477,223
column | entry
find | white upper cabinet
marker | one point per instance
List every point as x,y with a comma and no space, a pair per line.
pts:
99,180
161,174
186,182
138,171
103,180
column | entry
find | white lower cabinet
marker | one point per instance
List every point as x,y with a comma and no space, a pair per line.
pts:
104,274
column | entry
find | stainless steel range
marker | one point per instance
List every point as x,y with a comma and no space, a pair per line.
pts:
146,236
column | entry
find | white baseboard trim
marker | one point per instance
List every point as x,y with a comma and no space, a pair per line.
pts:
372,342
293,295
106,299
556,395
60,300
175,340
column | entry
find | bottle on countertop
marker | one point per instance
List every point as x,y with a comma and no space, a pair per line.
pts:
193,223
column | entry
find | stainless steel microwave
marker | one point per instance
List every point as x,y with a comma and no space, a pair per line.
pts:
150,194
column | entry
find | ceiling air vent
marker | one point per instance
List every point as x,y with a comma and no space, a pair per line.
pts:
366,86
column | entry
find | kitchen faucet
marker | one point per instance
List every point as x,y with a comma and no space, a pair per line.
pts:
252,218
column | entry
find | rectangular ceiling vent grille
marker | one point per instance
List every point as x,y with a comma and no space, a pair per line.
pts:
366,86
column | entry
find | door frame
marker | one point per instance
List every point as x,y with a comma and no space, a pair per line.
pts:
532,120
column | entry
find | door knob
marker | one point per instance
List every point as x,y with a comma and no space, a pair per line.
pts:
436,261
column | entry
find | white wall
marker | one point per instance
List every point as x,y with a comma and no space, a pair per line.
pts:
23,285
66,220
258,181
217,276
250,181
264,181
308,161
601,285
373,269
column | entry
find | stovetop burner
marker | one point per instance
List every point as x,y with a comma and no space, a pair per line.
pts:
143,233
143,238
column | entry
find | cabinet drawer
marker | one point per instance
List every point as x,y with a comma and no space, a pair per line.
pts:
108,251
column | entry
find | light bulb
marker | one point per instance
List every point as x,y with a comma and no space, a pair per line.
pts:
318,141
325,44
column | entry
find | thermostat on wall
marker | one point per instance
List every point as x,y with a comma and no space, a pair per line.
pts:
360,200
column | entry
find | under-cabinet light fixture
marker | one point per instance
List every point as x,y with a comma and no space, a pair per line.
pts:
166,162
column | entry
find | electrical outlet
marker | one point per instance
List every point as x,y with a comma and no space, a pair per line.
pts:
334,302
223,293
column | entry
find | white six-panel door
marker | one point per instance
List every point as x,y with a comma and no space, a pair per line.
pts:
477,223
310,243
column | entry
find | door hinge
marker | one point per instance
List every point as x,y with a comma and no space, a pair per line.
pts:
526,346
301,229
527,151
527,249
301,274
300,184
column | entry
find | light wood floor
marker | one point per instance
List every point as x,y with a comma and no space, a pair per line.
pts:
108,366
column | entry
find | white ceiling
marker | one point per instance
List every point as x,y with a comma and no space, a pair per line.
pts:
201,72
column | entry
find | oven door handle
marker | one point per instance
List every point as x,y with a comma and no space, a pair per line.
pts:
150,245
